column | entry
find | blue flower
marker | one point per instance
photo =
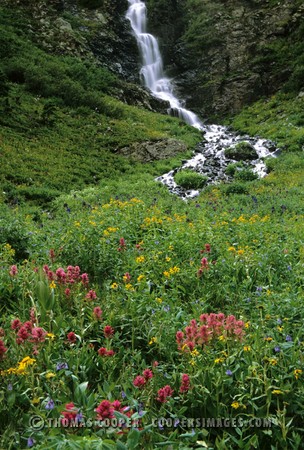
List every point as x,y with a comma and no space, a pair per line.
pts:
277,349
50,404
30,442
288,338
229,373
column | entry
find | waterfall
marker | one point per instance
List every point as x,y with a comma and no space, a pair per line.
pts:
152,72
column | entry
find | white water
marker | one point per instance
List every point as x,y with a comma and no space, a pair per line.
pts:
217,138
152,72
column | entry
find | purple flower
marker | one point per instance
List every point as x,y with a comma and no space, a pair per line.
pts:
10,387
279,321
229,373
123,394
277,349
288,338
62,365
50,405
30,442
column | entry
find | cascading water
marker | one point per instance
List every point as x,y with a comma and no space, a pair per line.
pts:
152,72
210,159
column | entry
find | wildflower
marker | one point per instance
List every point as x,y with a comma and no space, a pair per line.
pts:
159,300
114,286
104,352
139,381
247,348
22,334
108,331
71,337
97,312
62,365
153,341
273,361
127,277
105,410
50,375
277,349
164,393
30,442
38,334
194,353
229,373
277,392
52,285
91,295
129,287
268,339
140,259
16,324
235,405
185,384
13,271
140,278
50,405
288,338
148,374
297,373
219,360
3,349
70,414
84,279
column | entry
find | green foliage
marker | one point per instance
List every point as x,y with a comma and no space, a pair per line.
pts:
189,179
246,175
241,151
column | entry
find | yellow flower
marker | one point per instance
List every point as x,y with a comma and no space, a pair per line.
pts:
114,286
129,287
280,329
273,361
240,252
35,401
192,362
268,339
297,373
194,353
235,405
168,259
222,338
77,224
50,375
219,360
247,348
247,324
166,274
159,300
231,249
153,341
50,335
277,392
140,259
52,285
27,361
140,277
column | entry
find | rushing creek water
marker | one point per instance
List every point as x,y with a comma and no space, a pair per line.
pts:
210,159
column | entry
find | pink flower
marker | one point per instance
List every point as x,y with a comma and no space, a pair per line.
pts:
52,255
38,334
84,278
13,271
3,349
91,295
70,415
148,374
16,324
108,331
61,275
139,381
185,384
97,312
102,351
105,410
22,334
67,292
164,393
71,337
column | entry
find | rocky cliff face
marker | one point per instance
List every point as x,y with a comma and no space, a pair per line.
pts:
230,53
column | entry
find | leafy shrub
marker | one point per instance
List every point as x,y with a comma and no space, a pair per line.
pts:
236,188
241,151
245,175
232,168
190,180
